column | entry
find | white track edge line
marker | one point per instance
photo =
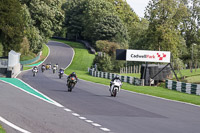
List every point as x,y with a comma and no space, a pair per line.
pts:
13,126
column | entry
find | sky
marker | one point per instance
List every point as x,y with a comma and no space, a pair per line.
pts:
138,6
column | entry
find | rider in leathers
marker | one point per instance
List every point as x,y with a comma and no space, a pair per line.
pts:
115,78
73,74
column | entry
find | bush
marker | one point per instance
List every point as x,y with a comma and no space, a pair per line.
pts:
104,63
107,61
24,46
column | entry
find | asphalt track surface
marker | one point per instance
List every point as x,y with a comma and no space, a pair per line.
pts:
127,113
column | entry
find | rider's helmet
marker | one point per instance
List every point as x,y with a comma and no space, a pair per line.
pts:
73,73
35,67
117,76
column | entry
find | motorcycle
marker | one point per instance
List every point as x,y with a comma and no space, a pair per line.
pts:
115,87
47,67
34,72
61,74
71,83
54,69
43,68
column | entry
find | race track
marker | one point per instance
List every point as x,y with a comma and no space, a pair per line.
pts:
127,113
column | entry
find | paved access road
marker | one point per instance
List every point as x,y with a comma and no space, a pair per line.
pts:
126,113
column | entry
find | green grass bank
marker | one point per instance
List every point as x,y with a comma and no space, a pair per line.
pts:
83,59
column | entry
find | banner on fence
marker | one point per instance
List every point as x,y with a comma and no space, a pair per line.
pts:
148,56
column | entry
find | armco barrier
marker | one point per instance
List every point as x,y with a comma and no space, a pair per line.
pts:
183,87
127,79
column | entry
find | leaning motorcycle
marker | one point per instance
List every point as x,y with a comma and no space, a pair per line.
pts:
115,87
71,83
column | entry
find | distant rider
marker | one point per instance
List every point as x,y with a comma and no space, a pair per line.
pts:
56,66
43,67
61,70
35,68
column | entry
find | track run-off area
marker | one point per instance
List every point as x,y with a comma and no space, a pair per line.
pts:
42,104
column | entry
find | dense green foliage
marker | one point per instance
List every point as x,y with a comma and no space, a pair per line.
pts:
11,25
26,24
94,20
168,25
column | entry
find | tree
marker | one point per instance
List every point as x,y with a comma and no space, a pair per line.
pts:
74,18
94,20
11,25
124,11
43,19
191,24
137,33
109,27
165,19
1,49
47,16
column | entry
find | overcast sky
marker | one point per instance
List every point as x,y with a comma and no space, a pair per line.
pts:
138,6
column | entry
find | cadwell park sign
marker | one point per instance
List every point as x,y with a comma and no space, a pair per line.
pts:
148,56
143,55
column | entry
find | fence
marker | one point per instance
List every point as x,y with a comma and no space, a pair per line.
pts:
131,69
127,79
183,87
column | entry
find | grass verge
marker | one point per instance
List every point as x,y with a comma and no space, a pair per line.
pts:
190,77
2,130
45,53
82,60
136,75
28,56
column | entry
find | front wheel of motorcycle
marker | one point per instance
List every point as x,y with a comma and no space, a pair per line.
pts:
114,92
69,87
